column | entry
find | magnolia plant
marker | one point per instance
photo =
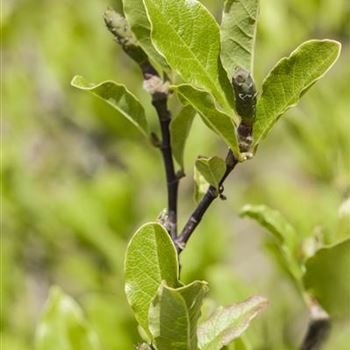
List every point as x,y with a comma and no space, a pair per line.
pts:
185,55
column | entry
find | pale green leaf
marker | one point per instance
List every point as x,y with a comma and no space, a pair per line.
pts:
216,120
150,259
63,326
136,15
343,229
174,314
289,79
200,185
327,278
179,129
241,344
285,250
273,221
228,323
188,37
212,169
238,30
119,97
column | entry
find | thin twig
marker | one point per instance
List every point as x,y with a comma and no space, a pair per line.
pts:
159,95
204,204
159,90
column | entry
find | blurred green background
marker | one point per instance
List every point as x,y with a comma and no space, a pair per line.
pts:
77,181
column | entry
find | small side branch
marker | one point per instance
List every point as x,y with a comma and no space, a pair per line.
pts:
203,205
318,328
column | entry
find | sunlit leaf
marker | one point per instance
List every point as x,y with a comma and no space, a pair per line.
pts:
118,96
174,314
290,79
238,29
188,37
63,326
136,15
150,259
228,323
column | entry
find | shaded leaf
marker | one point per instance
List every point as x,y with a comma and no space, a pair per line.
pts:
327,278
188,37
179,129
228,323
119,97
238,30
212,169
273,221
150,259
285,251
174,314
216,120
290,79
63,326
136,15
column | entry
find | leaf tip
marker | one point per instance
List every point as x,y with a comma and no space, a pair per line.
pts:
77,81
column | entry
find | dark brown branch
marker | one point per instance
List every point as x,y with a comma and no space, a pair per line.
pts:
159,102
159,90
318,328
204,204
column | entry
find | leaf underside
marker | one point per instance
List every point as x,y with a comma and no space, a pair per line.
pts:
238,31
117,96
174,314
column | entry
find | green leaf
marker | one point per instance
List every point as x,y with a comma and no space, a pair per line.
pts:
135,13
273,221
150,259
63,326
327,278
174,314
188,37
119,97
283,231
238,31
228,323
290,79
212,169
216,120
179,129
200,185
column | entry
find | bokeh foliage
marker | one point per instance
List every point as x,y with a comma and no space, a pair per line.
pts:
78,180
